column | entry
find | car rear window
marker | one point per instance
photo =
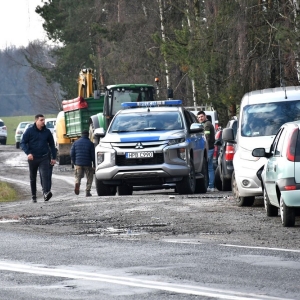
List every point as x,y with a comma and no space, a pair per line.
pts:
1,123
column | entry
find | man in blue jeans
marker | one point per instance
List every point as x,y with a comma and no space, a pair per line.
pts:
36,142
209,132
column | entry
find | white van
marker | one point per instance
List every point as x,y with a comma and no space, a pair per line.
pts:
50,124
262,113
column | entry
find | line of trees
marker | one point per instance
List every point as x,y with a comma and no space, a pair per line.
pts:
208,51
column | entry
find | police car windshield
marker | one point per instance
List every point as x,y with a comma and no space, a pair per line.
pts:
147,121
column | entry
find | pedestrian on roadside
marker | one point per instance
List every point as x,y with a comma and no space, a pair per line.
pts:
36,142
83,158
209,132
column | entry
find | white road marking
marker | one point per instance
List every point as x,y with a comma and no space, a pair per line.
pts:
195,242
261,248
134,282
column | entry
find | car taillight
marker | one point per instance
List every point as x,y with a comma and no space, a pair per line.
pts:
216,125
290,187
215,155
229,152
4,127
291,147
218,135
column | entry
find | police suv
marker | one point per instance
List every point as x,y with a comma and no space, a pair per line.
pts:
151,144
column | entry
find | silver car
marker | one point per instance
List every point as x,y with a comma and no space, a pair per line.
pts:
281,174
152,146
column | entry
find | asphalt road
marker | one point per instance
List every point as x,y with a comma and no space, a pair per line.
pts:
152,245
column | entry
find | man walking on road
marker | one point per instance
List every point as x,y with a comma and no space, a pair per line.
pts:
83,158
36,142
209,132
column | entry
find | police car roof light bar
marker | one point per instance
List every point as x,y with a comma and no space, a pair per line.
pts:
152,103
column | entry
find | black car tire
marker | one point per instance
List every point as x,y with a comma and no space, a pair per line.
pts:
113,190
102,189
17,145
202,183
218,182
125,190
271,210
287,214
188,184
240,201
226,183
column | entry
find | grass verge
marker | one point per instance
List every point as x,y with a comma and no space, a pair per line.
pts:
7,192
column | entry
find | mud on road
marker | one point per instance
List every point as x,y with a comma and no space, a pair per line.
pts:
146,215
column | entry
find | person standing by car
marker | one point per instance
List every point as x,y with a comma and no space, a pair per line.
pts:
209,132
83,158
36,142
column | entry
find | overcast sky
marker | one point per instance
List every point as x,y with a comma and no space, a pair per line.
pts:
19,23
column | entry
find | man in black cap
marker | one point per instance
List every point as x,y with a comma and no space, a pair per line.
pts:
83,158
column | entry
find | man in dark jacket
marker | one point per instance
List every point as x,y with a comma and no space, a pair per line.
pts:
36,142
83,158
209,132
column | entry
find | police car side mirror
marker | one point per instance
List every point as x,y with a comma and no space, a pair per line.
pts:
196,127
99,132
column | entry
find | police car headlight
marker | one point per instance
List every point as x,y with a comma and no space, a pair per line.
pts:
181,153
100,158
176,141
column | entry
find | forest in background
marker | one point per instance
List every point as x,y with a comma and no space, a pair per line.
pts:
208,51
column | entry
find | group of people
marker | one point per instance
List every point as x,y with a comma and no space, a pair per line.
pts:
38,144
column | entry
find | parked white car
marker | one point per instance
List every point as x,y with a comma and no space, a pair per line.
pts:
281,174
19,132
3,133
26,127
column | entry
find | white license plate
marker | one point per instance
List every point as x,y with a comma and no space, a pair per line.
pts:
145,154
